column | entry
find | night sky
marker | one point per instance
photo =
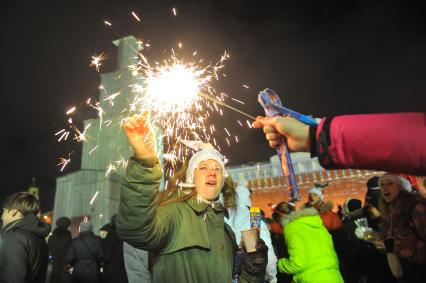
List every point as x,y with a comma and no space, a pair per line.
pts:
322,57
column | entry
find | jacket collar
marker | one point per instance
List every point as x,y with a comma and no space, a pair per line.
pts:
200,206
310,211
11,225
29,223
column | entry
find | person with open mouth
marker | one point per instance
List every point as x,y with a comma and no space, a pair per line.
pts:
187,233
396,199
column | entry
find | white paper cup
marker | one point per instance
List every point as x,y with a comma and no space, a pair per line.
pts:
250,239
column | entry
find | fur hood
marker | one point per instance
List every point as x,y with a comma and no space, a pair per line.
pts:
322,206
325,207
310,211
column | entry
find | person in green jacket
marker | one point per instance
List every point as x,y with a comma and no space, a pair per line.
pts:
312,257
187,233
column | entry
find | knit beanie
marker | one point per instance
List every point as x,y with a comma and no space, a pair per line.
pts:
373,183
351,205
85,226
203,155
63,222
317,192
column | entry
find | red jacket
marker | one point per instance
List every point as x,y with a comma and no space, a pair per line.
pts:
387,142
331,220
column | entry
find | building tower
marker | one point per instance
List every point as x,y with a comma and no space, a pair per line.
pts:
90,192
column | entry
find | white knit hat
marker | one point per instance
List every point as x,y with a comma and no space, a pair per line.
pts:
207,152
317,191
402,182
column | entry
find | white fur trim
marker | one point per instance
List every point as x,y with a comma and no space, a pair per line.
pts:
310,211
317,191
402,182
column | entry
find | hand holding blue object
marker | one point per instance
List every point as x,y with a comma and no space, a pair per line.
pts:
272,105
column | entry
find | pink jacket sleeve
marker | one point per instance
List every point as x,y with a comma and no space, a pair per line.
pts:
386,142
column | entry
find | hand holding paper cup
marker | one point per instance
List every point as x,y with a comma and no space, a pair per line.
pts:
250,237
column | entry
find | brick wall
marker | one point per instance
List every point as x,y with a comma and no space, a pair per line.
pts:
342,184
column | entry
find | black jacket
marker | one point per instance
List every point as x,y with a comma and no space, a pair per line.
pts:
59,244
85,255
23,251
114,269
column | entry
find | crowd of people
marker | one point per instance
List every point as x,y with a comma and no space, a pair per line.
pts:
378,239
193,231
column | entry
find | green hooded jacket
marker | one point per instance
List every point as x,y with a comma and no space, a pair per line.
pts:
190,239
312,257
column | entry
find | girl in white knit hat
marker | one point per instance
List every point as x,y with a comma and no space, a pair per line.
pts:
191,241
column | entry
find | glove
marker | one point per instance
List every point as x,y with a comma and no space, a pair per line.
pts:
255,262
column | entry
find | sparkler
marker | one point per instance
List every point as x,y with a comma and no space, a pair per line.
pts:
170,93
179,95
226,105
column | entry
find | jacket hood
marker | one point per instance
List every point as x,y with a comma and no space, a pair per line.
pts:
325,207
243,196
30,223
302,216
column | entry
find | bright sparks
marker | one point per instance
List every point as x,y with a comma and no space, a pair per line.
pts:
63,162
94,197
136,16
180,95
175,87
175,92
96,61
71,110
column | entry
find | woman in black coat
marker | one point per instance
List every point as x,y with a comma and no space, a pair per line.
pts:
59,244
